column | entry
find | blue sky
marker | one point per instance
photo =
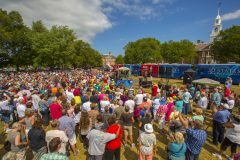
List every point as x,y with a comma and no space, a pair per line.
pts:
170,20
110,24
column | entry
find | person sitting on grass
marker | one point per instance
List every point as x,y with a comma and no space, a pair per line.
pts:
54,147
198,115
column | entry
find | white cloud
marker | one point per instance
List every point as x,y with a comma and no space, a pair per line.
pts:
84,16
231,15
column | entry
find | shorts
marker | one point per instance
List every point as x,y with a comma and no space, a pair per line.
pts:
127,130
226,143
73,140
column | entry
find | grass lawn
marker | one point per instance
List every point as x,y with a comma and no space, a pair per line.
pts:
128,153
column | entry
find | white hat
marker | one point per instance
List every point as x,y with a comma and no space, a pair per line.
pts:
148,128
225,105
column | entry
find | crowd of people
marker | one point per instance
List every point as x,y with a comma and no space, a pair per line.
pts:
48,111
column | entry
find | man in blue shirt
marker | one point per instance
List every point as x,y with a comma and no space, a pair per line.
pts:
67,124
219,118
196,138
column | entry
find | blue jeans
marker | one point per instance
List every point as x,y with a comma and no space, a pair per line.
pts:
190,156
186,107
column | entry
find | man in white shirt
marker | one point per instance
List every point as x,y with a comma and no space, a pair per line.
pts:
55,132
97,141
203,102
21,107
70,95
105,102
139,98
87,105
130,103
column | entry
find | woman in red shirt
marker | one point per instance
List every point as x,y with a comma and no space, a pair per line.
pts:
113,148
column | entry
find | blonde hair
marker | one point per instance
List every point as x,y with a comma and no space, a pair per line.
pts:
179,137
16,125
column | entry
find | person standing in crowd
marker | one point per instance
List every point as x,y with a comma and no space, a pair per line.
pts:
216,97
155,105
139,98
147,142
219,118
113,148
196,138
124,97
203,102
144,120
86,105
56,132
176,147
231,103
16,137
186,101
97,141
5,110
130,103
85,127
55,109
127,120
105,116
179,104
44,109
37,142
54,147
105,102
118,111
93,113
232,137
21,107
35,100
29,120
67,124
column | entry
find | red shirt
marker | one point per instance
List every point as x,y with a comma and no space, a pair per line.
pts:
116,143
56,111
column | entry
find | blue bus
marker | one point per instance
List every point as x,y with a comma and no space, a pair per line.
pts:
219,72
175,71
135,69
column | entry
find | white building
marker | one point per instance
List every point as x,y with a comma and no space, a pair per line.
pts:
217,27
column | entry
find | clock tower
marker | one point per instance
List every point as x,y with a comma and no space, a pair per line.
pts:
217,27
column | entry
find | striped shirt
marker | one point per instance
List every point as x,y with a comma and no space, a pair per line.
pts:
195,140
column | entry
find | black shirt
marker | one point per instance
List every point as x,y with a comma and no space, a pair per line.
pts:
36,138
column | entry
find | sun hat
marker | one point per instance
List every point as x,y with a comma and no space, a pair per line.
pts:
170,99
148,128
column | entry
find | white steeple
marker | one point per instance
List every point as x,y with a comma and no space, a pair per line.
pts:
217,26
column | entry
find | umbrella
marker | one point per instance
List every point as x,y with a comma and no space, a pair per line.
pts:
206,81
124,69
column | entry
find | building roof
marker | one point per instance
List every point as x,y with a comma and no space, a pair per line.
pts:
202,46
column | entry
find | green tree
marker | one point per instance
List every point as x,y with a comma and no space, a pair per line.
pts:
119,59
14,41
179,52
226,48
53,48
145,50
